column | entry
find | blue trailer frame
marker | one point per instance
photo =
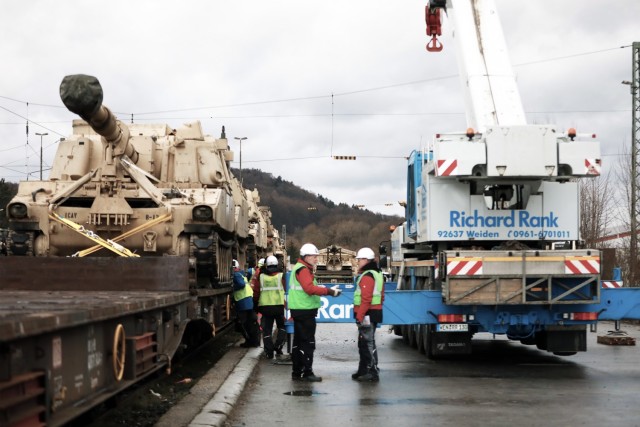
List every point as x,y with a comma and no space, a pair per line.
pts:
422,307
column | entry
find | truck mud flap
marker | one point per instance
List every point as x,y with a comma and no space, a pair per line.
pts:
448,343
567,341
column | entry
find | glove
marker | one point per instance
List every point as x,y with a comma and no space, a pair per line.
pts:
335,291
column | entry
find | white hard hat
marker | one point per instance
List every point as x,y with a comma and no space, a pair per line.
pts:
260,262
308,249
235,264
365,253
271,260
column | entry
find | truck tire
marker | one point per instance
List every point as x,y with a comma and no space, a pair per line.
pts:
413,342
428,335
420,338
405,333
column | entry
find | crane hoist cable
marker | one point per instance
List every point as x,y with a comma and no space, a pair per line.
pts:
107,243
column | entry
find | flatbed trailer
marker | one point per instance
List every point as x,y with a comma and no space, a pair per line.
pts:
407,307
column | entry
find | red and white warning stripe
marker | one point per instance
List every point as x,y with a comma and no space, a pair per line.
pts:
447,167
464,266
611,284
592,166
582,265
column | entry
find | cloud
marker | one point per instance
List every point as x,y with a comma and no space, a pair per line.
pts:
352,78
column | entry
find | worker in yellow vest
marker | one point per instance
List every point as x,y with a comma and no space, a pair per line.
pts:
367,309
243,301
270,297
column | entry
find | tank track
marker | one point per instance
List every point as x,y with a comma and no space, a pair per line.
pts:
20,243
210,265
252,255
204,270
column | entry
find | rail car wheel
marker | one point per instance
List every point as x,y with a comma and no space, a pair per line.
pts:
119,346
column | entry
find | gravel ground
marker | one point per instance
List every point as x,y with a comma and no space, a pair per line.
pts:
143,405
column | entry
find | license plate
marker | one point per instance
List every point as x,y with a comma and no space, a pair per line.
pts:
453,327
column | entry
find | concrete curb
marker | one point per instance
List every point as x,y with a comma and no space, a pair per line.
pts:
215,413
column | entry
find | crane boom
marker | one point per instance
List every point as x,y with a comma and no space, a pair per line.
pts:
491,94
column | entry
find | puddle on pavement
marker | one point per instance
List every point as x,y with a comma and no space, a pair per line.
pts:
306,393
377,402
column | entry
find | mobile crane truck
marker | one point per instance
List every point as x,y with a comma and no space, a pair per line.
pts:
484,209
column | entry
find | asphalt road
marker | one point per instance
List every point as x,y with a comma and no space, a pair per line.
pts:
502,384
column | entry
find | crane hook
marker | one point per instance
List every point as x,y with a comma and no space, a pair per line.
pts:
434,28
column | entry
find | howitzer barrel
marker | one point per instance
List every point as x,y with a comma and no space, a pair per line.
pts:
82,94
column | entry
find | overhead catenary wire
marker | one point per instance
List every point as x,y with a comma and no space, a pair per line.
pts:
333,114
327,96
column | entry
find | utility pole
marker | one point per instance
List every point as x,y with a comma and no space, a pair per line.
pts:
635,149
41,135
240,140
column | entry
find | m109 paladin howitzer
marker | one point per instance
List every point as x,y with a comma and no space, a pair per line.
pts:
336,265
155,190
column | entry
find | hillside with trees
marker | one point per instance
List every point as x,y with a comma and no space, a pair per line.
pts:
310,217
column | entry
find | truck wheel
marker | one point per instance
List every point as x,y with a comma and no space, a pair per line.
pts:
405,333
420,338
425,339
429,342
413,336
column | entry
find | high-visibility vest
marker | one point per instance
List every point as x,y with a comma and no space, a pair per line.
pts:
298,299
244,292
271,290
377,290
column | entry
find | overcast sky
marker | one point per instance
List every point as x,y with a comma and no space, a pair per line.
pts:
304,80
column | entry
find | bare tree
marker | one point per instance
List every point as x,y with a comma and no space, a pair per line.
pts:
623,217
596,201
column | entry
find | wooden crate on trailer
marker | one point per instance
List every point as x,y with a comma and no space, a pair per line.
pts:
488,290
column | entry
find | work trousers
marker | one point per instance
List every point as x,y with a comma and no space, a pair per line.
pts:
271,314
304,344
249,327
367,349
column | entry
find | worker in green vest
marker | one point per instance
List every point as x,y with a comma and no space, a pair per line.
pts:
304,302
270,296
367,309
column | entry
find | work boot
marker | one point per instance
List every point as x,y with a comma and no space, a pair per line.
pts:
368,377
357,374
311,377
